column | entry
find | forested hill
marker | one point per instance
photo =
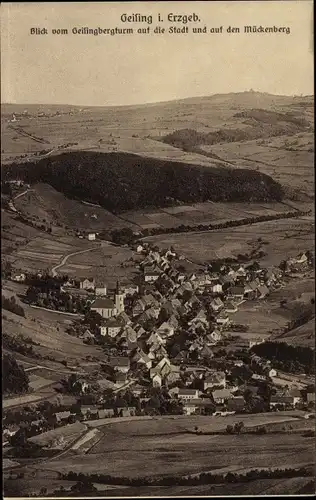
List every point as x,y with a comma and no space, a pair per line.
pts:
122,181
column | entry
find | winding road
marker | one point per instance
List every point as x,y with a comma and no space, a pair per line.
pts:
64,260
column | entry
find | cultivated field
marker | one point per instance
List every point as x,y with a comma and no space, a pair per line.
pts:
186,454
281,240
202,213
164,446
108,263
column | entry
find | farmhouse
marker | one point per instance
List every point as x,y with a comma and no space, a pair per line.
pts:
20,278
237,293
87,284
100,289
105,307
121,364
230,307
221,395
198,406
91,236
111,327
217,379
187,394
216,304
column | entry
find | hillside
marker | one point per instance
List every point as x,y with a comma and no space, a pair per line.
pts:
248,130
122,181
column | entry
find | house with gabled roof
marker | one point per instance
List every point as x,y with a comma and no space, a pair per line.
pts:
174,374
221,395
157,351
155,338
237,293
187,394
120,363
124,318
263,291
87,284
166,329
129,334
230,307
110,327
142,359
222,319
207,352
216,379
217,304
213,337
86,335
100,289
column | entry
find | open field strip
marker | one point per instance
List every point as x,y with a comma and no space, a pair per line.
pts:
87,441
66,432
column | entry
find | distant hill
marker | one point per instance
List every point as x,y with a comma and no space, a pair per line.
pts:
121,181
257,131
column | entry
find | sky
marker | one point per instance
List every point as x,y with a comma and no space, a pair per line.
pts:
141,68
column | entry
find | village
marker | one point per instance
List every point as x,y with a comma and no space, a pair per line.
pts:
171,346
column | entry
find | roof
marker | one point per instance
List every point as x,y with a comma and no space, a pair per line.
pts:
119,361
215,377
221,393
187,392
113,323
237,290
103,303
198,402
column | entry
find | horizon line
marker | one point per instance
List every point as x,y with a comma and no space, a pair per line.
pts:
152,102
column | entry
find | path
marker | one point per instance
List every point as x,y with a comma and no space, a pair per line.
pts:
22,194
64,260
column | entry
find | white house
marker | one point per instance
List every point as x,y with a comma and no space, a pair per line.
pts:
91,236
157,380
111,327
87,284
100,290
19,277
218,288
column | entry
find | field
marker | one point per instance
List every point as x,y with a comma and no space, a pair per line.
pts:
202,213
164,447
281,239
108,263
257,487
288,159
43,202
187,454
62,436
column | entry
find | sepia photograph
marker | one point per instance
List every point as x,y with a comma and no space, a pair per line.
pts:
158,249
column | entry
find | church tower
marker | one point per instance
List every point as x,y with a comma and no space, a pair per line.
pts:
119,299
